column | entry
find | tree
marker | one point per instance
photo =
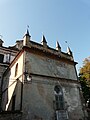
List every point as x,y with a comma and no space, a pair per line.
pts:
85,70
84,78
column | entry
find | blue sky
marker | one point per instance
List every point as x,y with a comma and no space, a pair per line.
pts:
62,20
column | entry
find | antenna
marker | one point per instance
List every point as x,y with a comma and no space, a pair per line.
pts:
27,26
66,43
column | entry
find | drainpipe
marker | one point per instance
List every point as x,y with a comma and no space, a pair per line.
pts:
21,96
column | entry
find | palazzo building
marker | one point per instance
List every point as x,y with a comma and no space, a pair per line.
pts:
39,81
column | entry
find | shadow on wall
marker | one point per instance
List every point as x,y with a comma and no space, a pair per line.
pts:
9,90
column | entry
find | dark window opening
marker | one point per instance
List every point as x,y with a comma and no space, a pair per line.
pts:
13,102
16,70
1,58
59,102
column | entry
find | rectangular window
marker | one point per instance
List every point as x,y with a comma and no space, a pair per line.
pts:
59,102
1,58
7,58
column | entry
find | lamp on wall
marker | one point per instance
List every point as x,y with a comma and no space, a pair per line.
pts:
28,77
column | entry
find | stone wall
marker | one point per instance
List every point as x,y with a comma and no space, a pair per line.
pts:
10,116
16,116
44,65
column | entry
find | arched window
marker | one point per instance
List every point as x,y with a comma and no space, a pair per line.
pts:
16,69
59,101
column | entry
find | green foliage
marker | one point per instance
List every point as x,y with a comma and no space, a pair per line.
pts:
85,88
84,78
85,69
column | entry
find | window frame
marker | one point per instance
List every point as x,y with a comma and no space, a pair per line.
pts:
59,99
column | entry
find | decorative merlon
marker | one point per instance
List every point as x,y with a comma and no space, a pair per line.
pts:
69,51
43,41
26,38
58,46
1,42
27,33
